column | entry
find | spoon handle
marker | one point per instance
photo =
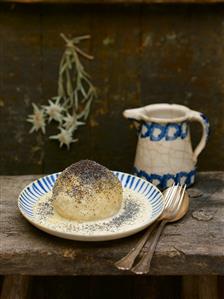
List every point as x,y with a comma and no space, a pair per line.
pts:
143,265
128,260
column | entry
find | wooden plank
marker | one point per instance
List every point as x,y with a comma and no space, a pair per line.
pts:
113,1
110,287
77,23
189,287
200,287
115,45
15,287
21,69
188,247
208,287
220,286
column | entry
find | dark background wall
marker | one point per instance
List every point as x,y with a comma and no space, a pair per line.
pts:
156,53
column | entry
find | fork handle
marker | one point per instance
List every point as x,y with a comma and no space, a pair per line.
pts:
128,260
144,264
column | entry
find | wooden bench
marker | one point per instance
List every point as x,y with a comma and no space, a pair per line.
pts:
192,246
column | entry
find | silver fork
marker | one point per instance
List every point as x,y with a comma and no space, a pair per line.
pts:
127,261
170,213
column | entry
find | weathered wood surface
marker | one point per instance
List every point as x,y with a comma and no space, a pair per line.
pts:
143,55
200,287
113,1
15,287
110,287
190,246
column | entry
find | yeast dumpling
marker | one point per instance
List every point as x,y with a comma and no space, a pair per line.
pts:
87,191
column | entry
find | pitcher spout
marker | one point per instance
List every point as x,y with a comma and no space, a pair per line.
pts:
136,114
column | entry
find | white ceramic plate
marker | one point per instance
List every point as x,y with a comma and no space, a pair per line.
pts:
142,205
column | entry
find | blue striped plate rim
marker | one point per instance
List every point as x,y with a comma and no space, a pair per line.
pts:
32,192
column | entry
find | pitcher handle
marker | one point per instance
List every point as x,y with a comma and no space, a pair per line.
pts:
203,120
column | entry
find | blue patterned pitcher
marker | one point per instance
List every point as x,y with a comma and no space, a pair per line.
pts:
164,152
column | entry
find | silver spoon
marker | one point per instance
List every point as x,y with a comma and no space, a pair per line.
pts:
127,261
177,208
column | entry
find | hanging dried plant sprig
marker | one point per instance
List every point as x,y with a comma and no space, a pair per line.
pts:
71,107
75,87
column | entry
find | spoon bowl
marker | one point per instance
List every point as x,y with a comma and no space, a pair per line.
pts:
183,208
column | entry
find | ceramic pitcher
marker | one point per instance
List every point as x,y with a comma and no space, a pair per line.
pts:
164,152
